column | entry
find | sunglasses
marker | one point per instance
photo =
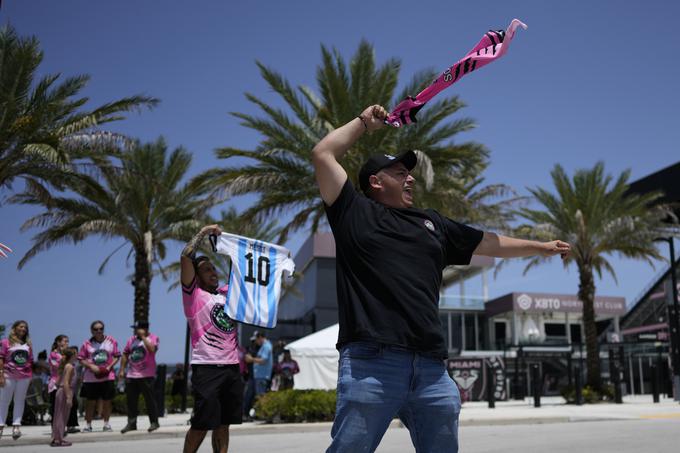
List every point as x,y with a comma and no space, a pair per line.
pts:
98,329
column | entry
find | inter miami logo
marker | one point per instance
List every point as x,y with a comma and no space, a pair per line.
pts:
20,357
138,353
220,319
524,301
100,357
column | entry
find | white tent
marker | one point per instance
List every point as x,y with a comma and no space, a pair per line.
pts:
318,359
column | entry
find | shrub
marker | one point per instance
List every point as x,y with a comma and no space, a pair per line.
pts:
590,395
119,403
296,406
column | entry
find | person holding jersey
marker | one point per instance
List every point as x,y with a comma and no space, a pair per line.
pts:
16,371
216,379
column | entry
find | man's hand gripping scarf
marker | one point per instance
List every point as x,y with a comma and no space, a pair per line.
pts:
492,46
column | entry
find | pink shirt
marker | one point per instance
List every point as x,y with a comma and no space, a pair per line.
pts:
18,359
53,360
141,362
213,334
100,354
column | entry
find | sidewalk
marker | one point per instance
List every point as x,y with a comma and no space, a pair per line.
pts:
553,410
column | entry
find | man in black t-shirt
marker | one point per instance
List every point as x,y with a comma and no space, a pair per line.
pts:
390,258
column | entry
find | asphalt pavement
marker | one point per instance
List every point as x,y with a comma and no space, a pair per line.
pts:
511,426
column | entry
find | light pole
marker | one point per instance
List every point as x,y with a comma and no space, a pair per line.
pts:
674,322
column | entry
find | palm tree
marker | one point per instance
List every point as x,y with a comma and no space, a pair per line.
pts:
141,201
282,174
599,218
230,222
43,127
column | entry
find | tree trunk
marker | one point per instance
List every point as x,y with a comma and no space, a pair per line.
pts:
586,293
142,285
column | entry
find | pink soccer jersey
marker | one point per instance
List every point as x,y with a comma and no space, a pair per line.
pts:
213,334
141,362
18,359
99,354
53,360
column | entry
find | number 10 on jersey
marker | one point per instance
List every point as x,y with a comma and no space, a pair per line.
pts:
263,269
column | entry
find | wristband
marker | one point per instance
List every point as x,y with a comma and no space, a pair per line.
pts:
363,121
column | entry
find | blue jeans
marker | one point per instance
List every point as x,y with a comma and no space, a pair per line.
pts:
261,386
377,382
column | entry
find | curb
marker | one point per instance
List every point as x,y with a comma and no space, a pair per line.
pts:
242,430
539,420
513,421
170,433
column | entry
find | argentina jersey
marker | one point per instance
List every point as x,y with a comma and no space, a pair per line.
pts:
256,270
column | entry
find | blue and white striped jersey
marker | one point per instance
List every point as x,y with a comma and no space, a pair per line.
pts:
254,279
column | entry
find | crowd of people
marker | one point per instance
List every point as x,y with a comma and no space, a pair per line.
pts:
91,368
92,371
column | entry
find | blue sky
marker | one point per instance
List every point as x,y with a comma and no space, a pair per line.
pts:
587,81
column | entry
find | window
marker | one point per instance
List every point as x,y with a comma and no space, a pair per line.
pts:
575,333
555,330
444,319
456,332
470,331
500,333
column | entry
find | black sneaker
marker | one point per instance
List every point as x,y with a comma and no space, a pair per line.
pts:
129,427
72,430
153,427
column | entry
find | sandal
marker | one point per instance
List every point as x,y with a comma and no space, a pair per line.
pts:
63,443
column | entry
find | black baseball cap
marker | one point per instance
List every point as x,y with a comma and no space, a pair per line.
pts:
377,162
140,325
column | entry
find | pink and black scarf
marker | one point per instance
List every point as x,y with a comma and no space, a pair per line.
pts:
491,47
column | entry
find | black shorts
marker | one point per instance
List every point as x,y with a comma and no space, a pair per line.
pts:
98,390
218,396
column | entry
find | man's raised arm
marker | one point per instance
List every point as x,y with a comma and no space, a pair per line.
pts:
187,271
325,156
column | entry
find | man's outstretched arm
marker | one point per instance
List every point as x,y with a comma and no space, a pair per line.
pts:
325,156
498,246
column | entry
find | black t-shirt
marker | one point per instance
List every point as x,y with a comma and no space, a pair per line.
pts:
389,270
